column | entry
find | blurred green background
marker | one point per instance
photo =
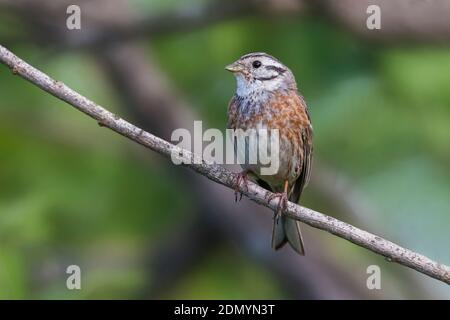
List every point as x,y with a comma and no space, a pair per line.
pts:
74,193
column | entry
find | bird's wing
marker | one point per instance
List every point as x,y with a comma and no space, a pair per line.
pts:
306,137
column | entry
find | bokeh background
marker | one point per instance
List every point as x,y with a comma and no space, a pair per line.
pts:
139,227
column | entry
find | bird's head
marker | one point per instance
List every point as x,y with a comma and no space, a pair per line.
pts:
259,72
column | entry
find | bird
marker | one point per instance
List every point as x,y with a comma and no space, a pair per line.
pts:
267,97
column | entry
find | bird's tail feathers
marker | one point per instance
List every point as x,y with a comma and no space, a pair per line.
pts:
287,230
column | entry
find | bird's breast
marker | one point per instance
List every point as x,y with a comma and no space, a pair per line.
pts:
284,111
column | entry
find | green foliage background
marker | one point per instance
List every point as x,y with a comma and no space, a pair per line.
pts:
70,189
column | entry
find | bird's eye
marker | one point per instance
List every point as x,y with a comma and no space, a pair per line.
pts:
256,64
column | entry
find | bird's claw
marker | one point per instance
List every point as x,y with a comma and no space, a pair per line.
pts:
238,180
282,203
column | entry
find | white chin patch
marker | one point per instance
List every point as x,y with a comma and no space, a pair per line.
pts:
243,88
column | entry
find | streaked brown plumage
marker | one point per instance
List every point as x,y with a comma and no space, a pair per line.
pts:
267,97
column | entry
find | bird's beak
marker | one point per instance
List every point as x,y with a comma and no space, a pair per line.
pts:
234,67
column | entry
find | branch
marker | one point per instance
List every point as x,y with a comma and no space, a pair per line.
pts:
391,251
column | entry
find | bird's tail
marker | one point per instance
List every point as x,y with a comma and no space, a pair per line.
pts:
285,230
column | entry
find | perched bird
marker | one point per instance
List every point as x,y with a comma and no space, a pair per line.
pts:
267,97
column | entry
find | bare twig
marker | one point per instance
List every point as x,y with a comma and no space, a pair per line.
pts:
391,251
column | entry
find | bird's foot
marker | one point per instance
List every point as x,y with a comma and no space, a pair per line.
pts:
241,178
282,203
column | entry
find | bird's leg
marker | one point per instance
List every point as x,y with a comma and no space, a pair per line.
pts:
282,202
241,177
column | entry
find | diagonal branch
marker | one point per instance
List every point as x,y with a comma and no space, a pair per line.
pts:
390,250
